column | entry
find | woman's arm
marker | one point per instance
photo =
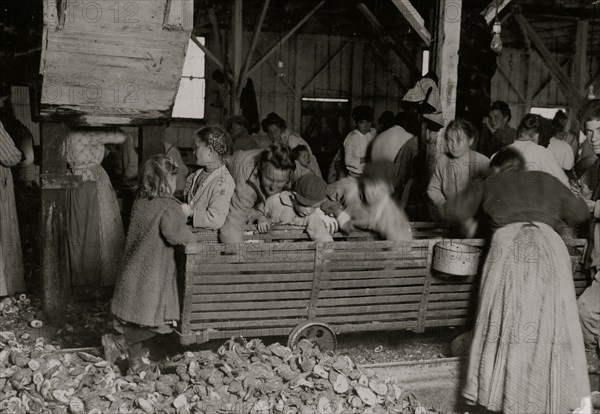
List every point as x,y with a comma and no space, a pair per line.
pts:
464,205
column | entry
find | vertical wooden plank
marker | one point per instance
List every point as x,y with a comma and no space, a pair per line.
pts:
55,269
422,318
188,263
447,54
237,30
358,68
317,273
151,141
298,87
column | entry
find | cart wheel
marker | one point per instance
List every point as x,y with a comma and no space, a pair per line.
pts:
316,332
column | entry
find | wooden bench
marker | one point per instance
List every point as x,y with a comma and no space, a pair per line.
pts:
267,289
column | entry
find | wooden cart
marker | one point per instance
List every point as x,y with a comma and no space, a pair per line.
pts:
271,288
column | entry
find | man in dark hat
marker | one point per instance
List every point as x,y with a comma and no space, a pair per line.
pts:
237,126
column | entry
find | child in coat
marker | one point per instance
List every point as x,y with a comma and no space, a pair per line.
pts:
208,191
357,142
367,203
146,298
300,208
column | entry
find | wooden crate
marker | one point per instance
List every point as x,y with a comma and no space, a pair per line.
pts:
266,289
286,233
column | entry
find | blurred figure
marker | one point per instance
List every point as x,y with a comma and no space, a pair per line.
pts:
386,121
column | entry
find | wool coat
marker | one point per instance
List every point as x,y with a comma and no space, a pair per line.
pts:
146,290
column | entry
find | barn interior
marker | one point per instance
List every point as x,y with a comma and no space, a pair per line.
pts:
162,69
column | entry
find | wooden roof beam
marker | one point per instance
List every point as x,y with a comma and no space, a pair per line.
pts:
380,31
212,57
415,20
244,75
287,36
556,71
490,11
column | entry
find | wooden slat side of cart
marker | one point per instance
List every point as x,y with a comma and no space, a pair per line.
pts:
267,289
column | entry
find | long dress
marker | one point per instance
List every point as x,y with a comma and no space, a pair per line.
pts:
95,228
11,258
527,353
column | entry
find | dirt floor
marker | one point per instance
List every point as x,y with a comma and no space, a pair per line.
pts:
88,321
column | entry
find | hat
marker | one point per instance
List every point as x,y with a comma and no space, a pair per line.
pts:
237,119
310,190
590,109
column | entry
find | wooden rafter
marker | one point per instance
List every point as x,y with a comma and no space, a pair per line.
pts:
592,81
212,57
237,29
274,69
215,28
382,33
547,81
257,30
325,65
565,83
490,11
413,17
504,73
287,36
581,53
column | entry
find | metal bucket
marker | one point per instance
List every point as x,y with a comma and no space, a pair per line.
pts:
456,258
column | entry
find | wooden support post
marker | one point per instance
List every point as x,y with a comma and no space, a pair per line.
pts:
580,64
236,38
56,278
568,88
151,141
286,37
244,76
490,11
298,90
592,81
415,20
446,56
216,32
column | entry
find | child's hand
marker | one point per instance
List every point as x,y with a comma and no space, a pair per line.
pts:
187,210
331,224
264,225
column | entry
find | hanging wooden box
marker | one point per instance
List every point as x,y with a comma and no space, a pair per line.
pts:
113,61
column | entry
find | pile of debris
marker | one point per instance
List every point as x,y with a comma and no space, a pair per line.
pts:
242,377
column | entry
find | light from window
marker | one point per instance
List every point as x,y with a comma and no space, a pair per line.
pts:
425,63
325,100
190,98
546,112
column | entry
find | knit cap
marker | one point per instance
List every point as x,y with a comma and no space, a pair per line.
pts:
310,190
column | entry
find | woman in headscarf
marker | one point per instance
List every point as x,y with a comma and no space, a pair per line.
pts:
527,353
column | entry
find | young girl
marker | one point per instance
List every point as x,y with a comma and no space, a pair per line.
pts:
358,140
209,190
459,166
146,300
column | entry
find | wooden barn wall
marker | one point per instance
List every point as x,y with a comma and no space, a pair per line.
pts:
529,74
357,73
